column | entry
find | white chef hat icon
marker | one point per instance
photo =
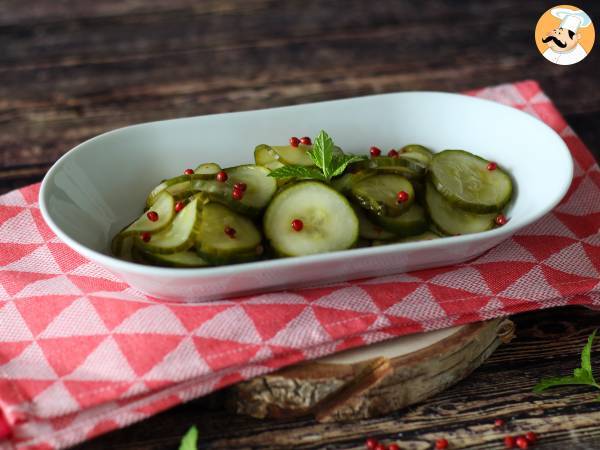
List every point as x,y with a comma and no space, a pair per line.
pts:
571,19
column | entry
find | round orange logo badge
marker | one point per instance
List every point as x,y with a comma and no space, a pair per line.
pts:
564,35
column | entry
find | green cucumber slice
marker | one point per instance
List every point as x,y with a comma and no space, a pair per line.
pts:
180,190
378,194
164,205
260,188
329,222
178,236
265,156
464,180
345,182
121,247
453,221
368,230
417,152
275,156
418,157
188,258
154,193
180,186
207,169
426,236
407,167
216,246
413,221
297,156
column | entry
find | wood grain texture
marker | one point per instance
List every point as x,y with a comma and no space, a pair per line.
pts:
548,343
370,386
70,69
73,69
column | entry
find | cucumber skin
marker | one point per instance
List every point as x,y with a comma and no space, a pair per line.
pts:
229,258
477,208
406,167
417,148
402,230
156,260
437,227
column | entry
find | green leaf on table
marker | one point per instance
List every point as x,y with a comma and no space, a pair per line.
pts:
581,376
586,355
190,440
546,383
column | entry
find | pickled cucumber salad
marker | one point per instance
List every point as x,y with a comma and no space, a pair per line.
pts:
310,197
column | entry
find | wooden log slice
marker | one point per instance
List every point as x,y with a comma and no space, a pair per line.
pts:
373,380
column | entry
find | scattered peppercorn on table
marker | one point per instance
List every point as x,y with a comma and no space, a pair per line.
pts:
73,71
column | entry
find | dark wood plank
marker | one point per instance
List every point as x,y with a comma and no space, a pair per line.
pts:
68,78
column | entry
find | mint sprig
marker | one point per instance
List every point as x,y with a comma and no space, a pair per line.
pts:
328,164
581,376
190,440
298,172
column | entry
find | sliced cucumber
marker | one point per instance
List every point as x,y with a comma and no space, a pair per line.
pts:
154,193
181,186
164,206
427,236
260,188
265,156
379,193
345,182
121,247
402,166
453,221
297,156
188,258
218,244
417,152
179,236
465,181
207,169
413,221
181,190
368,230
329,222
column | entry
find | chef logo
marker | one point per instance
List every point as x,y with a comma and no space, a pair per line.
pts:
564,35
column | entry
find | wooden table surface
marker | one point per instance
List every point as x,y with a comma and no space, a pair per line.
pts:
72,69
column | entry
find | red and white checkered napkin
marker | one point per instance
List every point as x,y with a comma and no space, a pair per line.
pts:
81,353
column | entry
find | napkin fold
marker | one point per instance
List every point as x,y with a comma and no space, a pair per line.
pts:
82,353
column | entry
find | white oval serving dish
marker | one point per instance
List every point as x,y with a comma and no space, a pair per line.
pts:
99,186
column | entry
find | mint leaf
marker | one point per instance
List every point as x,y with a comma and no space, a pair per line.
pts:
297,172
341,162
581,376
190,440
329,164
557,381
322,153
586,356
